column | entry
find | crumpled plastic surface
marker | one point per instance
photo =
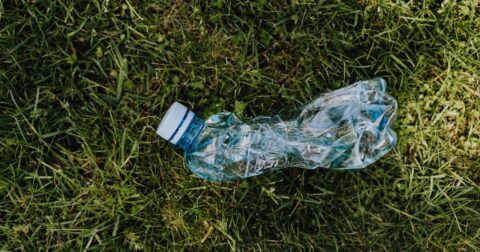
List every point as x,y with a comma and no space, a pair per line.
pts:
348,128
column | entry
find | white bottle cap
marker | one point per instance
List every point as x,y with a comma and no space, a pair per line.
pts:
175,122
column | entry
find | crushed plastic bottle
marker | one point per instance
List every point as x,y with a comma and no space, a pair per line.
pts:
348,128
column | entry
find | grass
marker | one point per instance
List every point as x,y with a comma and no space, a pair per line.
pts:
83,85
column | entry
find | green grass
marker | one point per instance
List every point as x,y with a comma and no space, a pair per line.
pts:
83,85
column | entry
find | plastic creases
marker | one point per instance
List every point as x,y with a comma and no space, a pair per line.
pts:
348,128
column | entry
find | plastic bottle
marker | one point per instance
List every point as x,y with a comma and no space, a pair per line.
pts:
348,128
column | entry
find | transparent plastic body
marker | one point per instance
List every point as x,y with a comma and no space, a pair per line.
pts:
348,128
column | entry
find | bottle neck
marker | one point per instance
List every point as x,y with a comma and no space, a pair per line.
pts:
193,131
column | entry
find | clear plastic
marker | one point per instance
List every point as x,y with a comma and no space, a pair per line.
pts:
348,128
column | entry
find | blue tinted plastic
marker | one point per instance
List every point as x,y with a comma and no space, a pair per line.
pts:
345,129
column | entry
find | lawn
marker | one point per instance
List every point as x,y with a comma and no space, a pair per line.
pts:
84,84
